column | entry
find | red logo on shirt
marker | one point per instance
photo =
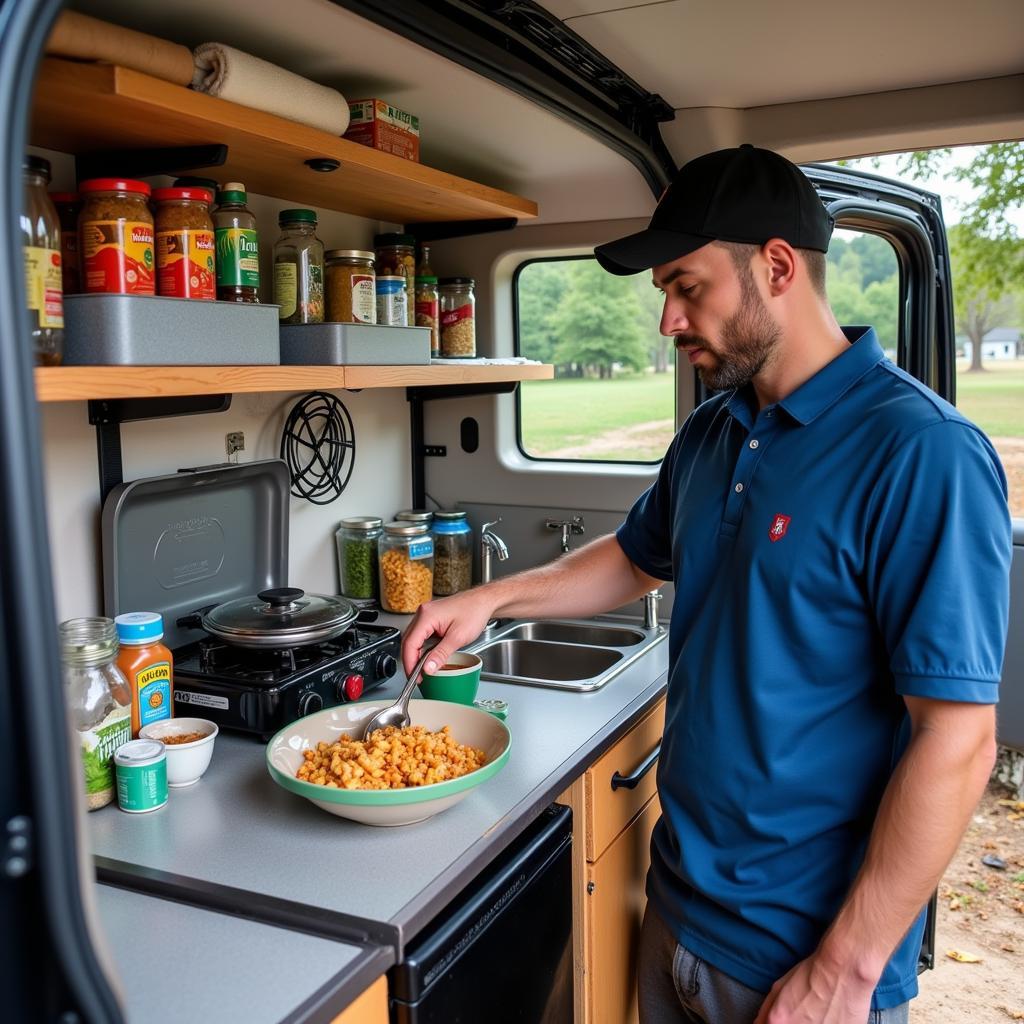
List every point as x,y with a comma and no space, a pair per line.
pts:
780,524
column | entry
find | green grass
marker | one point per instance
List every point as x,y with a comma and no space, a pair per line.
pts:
562,414
994,398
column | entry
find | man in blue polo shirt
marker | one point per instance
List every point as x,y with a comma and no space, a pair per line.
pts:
840,544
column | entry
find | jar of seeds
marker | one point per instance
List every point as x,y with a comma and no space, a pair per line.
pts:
453,553
356,540
458,317
406,566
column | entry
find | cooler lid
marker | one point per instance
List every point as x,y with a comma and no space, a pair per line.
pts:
184,542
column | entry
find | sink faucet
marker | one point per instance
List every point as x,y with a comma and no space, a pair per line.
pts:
651,599
490,544
568,528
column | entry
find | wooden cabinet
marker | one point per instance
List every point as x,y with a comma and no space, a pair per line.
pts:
371,1007
611,854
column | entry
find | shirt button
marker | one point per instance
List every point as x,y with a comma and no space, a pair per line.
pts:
738,488
754,443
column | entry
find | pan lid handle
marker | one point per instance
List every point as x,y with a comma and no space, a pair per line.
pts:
281,597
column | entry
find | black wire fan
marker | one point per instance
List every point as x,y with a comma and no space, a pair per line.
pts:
319,445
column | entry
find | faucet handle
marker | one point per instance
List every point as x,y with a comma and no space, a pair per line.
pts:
651,600
487,526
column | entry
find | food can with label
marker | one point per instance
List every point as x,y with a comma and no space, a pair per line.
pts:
185,244
349,286
392,310
140,767
115,237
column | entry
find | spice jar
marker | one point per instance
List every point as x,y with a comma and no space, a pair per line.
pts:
396,257
392,301
415,515
238,246
299,269
350,287
406,553
184,244
68,206
115,237
453,553
458,317
98,701
428,311
356,539
41,252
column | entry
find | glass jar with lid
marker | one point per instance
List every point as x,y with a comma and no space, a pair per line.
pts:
185,244
115,237
415,515
98,699
41,250
68,206
453,553
396,257
349,280
356,540
406,554
458,317
299,269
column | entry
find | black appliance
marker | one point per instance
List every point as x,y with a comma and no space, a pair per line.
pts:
501,952
261,691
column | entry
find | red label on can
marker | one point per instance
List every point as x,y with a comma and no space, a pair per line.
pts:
185,264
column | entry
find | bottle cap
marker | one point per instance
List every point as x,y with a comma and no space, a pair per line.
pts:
139,627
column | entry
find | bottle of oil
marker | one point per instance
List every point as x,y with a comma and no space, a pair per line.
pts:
40,241
238,246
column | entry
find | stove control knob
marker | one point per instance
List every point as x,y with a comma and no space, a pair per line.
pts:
353,687
386,666
309,702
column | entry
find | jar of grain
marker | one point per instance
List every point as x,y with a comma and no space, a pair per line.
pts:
428,311
453,553
349,279
458,317
185,244
115,237
415,515
406,557
396,257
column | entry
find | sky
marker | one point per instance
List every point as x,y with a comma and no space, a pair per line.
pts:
955,194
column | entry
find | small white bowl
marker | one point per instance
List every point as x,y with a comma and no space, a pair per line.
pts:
186,762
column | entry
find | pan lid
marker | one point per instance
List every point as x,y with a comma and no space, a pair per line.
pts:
281,617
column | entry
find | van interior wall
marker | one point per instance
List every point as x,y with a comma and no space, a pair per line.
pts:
497,479
380,482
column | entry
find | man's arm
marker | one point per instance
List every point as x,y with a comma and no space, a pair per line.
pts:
595,578
922,816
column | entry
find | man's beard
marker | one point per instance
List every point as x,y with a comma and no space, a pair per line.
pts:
749,339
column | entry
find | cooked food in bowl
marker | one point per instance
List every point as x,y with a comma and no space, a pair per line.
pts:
390,758
187,737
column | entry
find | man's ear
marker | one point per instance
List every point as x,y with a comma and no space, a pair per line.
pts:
781,259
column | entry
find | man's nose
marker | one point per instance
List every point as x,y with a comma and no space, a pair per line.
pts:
673,320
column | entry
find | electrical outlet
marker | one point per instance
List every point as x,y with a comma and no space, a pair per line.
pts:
234,442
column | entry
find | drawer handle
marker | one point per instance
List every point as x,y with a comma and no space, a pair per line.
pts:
632,781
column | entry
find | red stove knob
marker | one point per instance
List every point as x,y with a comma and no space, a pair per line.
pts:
353,687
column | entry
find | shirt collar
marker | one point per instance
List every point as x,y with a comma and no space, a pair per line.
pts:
825,388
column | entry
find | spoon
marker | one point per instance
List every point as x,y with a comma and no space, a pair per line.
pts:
397,714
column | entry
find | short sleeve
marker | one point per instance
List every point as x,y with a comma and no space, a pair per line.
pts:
938,564
646,534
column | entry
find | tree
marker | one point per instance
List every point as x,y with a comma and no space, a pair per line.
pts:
542,286
600,323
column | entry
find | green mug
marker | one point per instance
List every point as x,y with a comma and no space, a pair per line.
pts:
456,681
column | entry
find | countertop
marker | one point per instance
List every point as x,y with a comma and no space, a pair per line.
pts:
218,964
238,843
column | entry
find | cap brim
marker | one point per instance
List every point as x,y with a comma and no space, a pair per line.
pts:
646,249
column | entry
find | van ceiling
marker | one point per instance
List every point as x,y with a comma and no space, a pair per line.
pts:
817,81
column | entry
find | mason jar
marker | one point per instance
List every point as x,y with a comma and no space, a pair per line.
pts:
458,317
299,269
356,539
453,553
406,558
98,699
415,515
349,280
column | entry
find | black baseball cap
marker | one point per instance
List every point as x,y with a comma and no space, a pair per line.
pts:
732,195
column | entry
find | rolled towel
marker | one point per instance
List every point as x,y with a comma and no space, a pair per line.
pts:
84,38
241,78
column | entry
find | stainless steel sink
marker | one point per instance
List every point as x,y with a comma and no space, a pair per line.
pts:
563,654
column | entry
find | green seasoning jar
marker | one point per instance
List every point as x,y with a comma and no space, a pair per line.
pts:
141,768
299,269
238,246
98,700
356,539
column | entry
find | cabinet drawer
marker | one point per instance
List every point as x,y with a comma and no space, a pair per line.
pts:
616,902
610,810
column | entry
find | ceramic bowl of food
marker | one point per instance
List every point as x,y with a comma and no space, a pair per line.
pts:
457,680
469,727
189,743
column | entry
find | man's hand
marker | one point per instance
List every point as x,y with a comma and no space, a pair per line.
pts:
815,992
457,620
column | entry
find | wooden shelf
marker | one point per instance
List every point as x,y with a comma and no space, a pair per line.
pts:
80,108
78,383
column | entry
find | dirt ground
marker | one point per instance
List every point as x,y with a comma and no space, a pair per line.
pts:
981,914
1011,454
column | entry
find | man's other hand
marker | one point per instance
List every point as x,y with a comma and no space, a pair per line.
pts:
814,992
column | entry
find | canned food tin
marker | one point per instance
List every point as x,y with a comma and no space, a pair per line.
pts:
141,770
391,301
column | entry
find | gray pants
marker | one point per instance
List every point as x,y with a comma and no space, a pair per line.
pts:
677,987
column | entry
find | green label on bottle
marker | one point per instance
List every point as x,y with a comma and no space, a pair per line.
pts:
238,257
285,289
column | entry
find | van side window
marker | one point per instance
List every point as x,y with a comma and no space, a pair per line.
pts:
613,396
